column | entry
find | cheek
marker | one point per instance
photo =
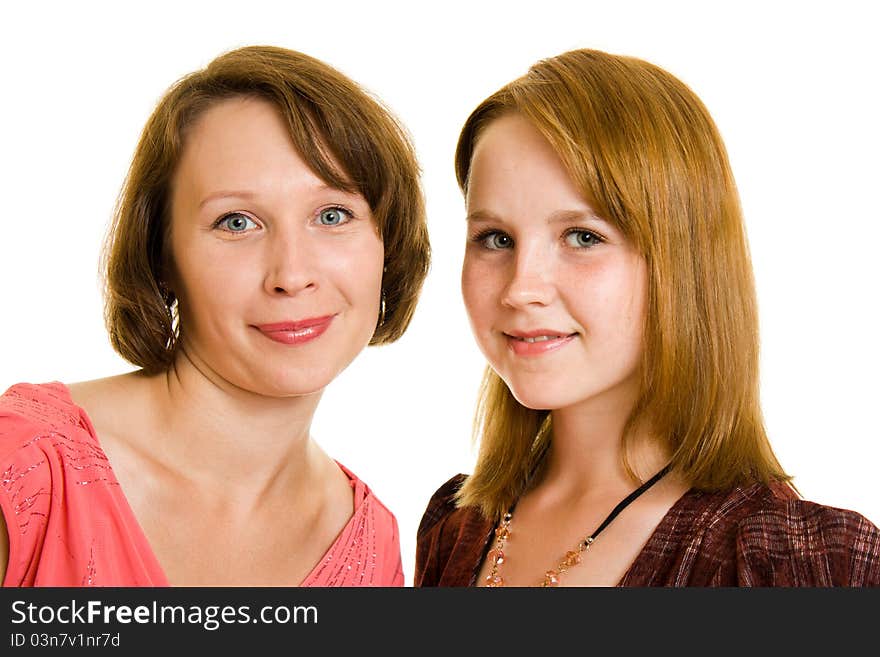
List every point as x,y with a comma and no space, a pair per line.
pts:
358,269
211,284
206,268
479,289
204,298
607,297
634,295
622,295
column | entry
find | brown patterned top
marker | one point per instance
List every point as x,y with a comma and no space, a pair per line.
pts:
749,536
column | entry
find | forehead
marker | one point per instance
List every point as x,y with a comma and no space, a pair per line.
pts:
244,145
514,167
512,134
233,140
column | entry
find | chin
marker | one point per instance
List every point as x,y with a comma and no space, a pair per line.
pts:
541,397
283,392
292,382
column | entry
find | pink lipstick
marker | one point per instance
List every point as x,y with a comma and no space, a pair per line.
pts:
537,342
298,332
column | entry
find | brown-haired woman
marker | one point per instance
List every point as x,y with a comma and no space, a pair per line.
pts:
608,282
271,226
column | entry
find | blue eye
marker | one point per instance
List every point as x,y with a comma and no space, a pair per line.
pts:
333,216
494,240
236,222
580,238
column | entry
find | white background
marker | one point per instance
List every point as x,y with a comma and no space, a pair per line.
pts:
791,85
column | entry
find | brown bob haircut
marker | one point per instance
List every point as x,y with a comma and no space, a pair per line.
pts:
343,133
643,148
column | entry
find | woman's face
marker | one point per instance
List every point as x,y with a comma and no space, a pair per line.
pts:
555,294
278,275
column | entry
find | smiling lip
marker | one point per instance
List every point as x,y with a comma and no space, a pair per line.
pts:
537,342
295,333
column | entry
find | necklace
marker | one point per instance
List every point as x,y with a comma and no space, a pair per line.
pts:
572,557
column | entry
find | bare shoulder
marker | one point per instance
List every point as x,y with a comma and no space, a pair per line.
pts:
114,403
95,393
337,486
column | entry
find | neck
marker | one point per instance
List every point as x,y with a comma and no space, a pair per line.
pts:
228,438
587,453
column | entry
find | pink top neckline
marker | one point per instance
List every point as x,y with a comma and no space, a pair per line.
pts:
158,572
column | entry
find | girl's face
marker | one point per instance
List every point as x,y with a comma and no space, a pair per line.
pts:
278,275
555,294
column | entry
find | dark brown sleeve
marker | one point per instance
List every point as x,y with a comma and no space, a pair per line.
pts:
450,541
431,557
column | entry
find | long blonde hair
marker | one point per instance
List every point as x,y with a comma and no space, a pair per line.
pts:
641,146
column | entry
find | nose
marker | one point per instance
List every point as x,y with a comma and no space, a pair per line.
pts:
290,265
531,278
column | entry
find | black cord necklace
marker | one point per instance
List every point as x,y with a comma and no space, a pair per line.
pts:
572,557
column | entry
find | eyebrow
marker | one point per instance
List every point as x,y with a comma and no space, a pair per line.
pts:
226,194
249,196
558,217
480,216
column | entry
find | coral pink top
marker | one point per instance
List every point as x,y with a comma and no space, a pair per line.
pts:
69,523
